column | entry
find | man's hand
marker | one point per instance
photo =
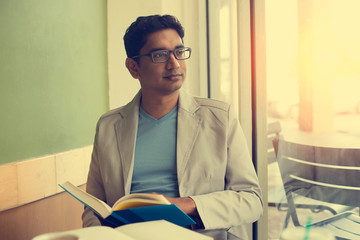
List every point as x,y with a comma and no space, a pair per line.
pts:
188,206
184,203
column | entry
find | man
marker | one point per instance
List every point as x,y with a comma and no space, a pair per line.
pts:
192,150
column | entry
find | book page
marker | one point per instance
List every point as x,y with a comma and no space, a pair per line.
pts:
160,230
90,201
139,200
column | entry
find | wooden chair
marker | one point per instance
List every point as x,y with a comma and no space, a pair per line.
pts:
276,196
326,175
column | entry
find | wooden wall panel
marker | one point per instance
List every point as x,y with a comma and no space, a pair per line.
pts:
59,212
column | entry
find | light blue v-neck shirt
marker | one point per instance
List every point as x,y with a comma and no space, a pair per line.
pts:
155,155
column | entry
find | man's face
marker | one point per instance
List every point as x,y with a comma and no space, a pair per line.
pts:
166,77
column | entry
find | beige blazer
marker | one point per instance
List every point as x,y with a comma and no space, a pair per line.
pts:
214,165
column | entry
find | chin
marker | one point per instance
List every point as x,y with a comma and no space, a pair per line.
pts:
173,88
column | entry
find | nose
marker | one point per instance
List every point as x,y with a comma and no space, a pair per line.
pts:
172,63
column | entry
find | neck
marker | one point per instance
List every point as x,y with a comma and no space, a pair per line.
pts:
158,106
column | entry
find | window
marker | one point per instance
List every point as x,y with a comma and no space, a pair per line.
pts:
223,50
313,82
312,77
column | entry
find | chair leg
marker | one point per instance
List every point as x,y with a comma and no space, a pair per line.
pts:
287,219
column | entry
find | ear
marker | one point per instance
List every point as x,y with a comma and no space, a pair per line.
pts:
132,66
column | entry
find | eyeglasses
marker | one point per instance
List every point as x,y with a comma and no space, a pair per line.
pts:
160,56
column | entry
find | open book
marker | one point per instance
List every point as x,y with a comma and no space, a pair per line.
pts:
159,230
138,207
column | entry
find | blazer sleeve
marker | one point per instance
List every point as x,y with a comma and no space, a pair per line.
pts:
240,202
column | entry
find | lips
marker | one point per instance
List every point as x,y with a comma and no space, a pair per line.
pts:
173,77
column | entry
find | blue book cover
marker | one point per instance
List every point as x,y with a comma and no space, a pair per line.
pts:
170,213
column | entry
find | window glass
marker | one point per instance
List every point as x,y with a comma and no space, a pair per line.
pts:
223,50
313,104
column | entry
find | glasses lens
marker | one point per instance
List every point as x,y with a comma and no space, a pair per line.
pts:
163,55
182,53
160,56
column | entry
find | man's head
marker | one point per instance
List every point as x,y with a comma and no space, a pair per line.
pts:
156,54
136,35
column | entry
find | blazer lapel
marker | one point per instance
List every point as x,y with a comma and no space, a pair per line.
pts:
187,130
126,130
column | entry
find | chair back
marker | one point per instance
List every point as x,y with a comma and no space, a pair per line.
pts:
323,173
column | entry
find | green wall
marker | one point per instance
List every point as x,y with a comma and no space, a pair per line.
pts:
53,75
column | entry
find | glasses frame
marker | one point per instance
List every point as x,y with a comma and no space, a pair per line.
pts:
150,54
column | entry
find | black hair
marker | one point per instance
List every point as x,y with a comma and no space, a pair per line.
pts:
136,35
